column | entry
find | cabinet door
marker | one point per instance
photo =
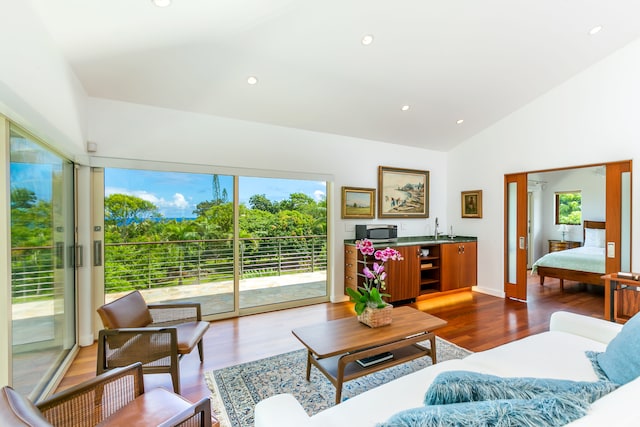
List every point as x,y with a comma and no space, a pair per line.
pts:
468,265
459,265
403,277
450,266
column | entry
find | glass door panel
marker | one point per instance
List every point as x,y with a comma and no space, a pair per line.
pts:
42,263
170,236
283,241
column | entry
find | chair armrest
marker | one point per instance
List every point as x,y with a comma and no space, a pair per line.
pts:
124,346
167,314
198,414
281,410
585,326
93,400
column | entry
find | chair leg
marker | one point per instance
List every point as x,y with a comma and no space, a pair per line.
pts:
175,377
201,351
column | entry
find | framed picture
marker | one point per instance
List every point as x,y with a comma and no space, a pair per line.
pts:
358,202
472,204
403,193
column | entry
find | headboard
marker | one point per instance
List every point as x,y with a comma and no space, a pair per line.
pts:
602,225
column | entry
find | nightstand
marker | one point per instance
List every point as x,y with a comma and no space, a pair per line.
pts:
559,245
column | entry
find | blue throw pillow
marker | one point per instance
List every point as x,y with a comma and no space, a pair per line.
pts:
621,360
544,411
467,386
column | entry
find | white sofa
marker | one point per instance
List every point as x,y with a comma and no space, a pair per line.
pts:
558,353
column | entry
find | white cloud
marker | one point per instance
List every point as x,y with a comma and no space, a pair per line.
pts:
319,195
178,201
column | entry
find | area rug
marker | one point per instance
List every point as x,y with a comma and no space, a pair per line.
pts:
236,390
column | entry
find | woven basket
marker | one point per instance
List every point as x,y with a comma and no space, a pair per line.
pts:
376,317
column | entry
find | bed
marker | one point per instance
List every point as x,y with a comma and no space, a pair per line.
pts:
585,264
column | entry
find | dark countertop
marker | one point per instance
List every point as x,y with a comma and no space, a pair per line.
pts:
418,240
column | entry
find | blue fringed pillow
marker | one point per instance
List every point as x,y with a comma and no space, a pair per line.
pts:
466,386
621,360
543,411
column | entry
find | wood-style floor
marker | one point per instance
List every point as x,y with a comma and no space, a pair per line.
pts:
476,322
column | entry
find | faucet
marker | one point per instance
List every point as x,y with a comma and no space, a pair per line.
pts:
435,230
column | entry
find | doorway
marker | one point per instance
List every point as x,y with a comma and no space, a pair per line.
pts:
519,240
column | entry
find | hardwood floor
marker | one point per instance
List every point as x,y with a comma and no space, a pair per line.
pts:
476,322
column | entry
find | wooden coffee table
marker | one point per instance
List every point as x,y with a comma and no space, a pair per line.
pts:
334,346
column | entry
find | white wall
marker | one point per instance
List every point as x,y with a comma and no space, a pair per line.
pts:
130,131
37,88
592,118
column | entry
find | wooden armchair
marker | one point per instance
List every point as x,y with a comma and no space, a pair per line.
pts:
155,335
115,398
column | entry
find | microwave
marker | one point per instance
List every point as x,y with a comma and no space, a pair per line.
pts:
376,232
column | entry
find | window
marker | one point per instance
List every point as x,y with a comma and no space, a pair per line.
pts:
569,208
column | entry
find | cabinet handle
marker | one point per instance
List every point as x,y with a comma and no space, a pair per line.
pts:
349,265
462,248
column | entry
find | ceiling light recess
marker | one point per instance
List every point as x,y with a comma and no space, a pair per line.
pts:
367,39
405,108
595,30
161,3
252,80
460,121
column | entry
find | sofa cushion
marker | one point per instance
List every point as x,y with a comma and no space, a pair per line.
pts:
129,311
621,360
547,411
467,386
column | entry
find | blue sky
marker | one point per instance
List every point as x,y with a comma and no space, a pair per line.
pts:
176,194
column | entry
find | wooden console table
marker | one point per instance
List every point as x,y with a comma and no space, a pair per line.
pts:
334,346
612,284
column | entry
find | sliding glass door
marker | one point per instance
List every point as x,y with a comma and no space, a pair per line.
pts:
42,263
236,244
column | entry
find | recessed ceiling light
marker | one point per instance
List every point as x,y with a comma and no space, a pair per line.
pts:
595,30
252,80
405,108
161,3
367,40
460,121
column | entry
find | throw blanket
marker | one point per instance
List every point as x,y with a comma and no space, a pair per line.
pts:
470,399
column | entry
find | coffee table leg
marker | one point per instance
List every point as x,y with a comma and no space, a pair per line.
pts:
432,340
309,356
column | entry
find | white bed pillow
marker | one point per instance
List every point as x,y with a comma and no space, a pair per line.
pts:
594,237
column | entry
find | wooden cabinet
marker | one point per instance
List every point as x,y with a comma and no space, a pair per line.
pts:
350,267
426,268
403,276
559,245
459,265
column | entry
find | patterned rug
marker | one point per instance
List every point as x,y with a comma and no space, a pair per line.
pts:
236,390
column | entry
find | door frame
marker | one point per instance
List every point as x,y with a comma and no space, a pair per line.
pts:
613,202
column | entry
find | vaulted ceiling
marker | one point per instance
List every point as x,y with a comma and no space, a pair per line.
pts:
447,60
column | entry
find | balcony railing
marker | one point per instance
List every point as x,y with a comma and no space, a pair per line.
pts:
149,265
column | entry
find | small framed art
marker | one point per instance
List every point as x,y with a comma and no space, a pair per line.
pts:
472,204
358,202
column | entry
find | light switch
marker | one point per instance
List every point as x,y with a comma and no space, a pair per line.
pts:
611,249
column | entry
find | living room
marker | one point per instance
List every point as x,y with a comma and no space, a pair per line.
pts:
586,117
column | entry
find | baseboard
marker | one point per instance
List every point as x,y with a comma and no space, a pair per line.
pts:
488,291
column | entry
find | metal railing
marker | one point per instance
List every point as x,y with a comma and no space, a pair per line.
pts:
148,265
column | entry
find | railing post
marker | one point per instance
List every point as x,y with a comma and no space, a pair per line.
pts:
279,257
149,267
313,254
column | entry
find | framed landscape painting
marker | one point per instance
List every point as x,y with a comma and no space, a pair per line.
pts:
403,193
358,202
472,204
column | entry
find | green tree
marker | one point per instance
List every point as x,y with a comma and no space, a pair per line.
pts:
260,202
130,215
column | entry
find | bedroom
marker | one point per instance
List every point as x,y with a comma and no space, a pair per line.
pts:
572,252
